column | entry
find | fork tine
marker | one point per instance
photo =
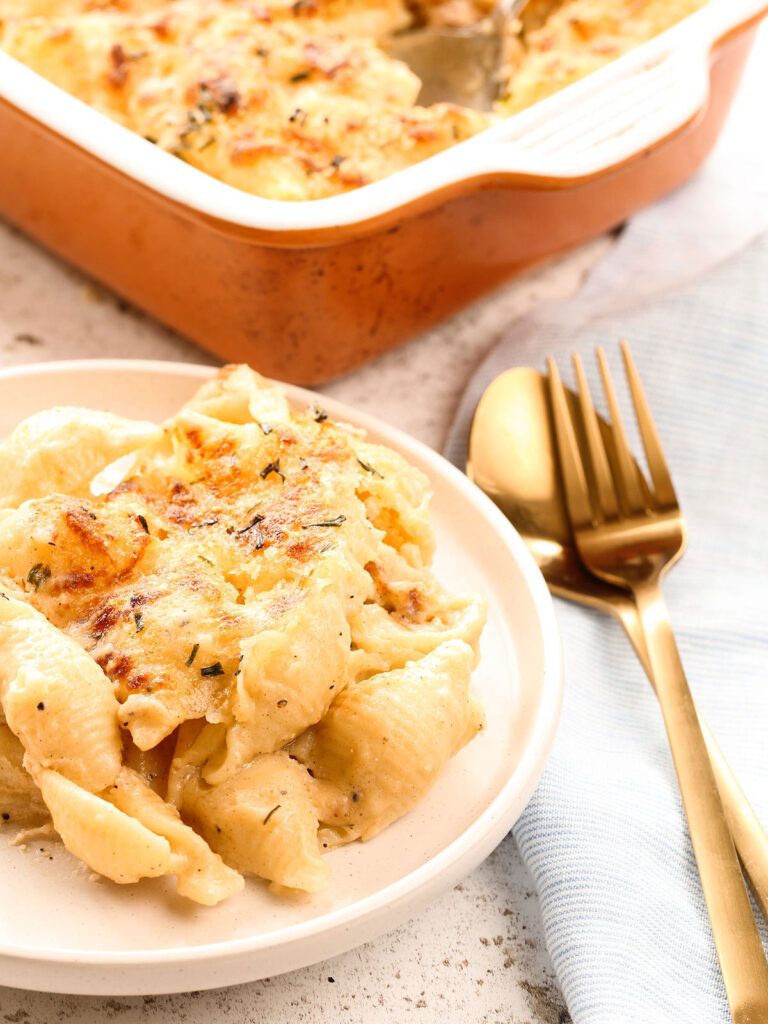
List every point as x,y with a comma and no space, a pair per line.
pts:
657,464
626,472
571,466
601,470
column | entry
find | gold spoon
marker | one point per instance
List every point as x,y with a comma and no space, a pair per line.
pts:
512,457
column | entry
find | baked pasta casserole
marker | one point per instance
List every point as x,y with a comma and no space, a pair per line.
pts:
222,650
297,99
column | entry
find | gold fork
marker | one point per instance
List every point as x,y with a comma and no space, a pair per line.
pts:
629,534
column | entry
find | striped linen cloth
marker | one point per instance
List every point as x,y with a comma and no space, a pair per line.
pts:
605,834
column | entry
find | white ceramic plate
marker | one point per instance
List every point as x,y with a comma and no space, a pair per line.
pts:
60,931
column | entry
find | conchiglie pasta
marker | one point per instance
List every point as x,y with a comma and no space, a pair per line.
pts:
388,641
238,395
61,450
263,821
385,740
229,655
110,842
56,699
396,496
288,678
55,547
202,875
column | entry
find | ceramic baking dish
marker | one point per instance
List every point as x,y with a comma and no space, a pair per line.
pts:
306,291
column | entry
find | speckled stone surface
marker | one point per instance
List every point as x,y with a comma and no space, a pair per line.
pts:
477,954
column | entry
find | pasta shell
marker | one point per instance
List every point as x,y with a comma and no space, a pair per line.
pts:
202,875
288,679
263,821
56,699
385,740
61,450
237,394
108,841
386,639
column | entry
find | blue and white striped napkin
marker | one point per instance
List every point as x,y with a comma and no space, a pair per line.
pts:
605,835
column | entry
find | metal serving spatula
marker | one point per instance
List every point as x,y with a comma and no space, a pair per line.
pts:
459,65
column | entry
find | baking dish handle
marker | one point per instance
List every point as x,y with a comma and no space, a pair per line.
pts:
586,132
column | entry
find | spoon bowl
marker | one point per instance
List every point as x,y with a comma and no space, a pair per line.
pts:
512,458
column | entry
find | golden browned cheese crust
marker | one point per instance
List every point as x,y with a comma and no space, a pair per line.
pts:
288,102
564,42
168,632
210,541
297,100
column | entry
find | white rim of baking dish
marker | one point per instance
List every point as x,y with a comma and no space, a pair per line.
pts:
671,71
360,921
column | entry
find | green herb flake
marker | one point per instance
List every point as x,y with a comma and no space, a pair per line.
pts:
318,414
139,620
275,808
300,76
144,523
327,522
273,467
205,522
254,522
212,670
193,655
370,469
38,574
267,428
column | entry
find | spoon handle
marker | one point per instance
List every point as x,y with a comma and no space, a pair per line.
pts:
748,835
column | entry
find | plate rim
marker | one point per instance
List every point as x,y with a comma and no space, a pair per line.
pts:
485,832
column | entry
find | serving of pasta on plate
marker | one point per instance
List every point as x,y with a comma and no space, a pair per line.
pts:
222,649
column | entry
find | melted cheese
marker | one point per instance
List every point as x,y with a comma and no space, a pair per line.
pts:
298,100
165,644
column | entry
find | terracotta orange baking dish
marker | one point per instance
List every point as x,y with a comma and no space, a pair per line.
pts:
307,291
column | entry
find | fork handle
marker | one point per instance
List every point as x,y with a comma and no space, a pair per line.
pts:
739,949
748,834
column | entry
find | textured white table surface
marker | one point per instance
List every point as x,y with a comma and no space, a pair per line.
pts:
475,955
